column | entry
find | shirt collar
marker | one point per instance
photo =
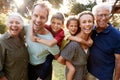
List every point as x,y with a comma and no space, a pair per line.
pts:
107,30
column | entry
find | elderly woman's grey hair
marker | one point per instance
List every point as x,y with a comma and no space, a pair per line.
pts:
101,6
12,15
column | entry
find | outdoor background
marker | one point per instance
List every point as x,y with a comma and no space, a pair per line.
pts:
67,7
58,71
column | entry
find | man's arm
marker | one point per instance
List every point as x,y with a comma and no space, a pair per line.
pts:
117,67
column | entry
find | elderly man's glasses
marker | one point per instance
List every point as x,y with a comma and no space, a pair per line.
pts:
103,15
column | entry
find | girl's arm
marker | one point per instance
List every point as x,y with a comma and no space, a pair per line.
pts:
82,41
61,60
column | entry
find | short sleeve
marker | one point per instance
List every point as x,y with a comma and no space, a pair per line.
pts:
59,36
54,50
69,51
117,50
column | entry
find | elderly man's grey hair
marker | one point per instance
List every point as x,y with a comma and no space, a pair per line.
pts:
14,14
102,6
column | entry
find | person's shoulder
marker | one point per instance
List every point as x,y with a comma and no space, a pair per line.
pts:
73,43
61,30
115,31
47,26
26,28
4,37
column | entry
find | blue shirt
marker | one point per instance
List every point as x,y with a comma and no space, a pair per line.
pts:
101,61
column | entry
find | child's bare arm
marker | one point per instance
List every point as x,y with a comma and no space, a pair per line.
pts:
82,41
56,56
46,41
61,60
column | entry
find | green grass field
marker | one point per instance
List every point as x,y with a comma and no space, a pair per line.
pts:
58,71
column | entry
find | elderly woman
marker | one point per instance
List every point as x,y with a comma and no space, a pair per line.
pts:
13,53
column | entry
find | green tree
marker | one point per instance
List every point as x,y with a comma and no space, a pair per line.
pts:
2,23
2,28
76,7
90,5
56,3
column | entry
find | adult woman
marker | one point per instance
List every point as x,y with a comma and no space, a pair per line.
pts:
13,53
77,53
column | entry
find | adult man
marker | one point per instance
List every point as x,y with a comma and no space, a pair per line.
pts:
38,51
104,59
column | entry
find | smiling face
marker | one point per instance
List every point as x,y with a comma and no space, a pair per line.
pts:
102,18
39,17
86,23
56,24
14,25
73,27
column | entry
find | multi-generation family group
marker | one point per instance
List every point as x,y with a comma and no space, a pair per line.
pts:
88,45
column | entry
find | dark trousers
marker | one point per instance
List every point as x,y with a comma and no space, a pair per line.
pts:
44,72
34,72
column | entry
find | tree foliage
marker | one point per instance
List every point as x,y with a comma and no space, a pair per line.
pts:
6,4
77,7
29,3
2,28
56,3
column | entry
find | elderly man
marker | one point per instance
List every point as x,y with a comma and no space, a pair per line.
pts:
37,51
104,59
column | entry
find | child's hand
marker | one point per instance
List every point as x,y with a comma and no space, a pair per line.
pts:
33,38
37,39
90,42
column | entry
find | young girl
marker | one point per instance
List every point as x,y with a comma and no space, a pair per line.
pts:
72,29
75,53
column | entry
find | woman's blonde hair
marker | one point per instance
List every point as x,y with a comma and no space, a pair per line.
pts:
85,12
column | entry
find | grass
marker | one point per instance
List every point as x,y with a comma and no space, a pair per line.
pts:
58,71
